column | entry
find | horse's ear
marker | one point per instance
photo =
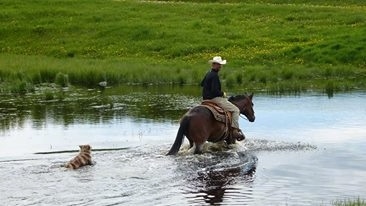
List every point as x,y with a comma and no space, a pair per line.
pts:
251,95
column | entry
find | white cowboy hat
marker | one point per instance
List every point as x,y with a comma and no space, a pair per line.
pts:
218,60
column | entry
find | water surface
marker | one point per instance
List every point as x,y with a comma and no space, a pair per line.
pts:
301,150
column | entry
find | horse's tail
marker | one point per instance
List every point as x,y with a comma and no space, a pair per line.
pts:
184,123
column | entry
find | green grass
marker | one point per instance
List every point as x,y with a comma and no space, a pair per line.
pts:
356,202
276,46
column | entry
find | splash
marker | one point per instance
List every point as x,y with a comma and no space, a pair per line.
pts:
267,145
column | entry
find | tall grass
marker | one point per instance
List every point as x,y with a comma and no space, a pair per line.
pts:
269,44
356,202
89,72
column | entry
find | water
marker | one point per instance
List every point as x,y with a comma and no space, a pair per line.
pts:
301,150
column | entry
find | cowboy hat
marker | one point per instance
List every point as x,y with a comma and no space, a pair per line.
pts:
218,60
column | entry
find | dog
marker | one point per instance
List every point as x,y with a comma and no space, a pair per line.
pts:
82,159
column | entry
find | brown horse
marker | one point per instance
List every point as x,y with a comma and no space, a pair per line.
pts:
199,125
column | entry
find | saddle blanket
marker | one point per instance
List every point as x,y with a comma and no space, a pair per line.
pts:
219,113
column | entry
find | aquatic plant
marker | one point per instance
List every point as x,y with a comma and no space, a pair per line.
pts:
48,95
20,87
62,79
349,202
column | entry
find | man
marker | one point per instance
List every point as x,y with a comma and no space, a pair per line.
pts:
212,91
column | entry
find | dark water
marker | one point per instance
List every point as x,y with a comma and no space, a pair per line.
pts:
301,150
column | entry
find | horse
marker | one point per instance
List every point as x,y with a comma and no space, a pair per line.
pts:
199,125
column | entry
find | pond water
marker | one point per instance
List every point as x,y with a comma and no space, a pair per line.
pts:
301,150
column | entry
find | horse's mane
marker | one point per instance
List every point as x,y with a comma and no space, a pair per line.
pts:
237,97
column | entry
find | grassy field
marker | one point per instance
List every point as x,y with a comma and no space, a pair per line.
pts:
275,46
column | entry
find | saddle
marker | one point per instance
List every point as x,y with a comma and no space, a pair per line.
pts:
220,115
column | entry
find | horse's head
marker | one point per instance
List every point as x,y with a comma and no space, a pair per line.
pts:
245,105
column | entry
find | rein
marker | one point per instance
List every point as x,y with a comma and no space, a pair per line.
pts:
244,117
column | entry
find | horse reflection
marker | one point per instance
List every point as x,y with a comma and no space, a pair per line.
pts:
212,181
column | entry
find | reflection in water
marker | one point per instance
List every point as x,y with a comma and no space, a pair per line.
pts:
218,179
211,175
214,177
93,106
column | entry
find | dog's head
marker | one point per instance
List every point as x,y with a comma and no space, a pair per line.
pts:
85,148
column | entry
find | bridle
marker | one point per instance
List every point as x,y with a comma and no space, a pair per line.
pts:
242,115
243,109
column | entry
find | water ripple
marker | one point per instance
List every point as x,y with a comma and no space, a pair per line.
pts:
267,145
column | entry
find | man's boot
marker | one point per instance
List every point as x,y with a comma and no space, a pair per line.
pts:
238,134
